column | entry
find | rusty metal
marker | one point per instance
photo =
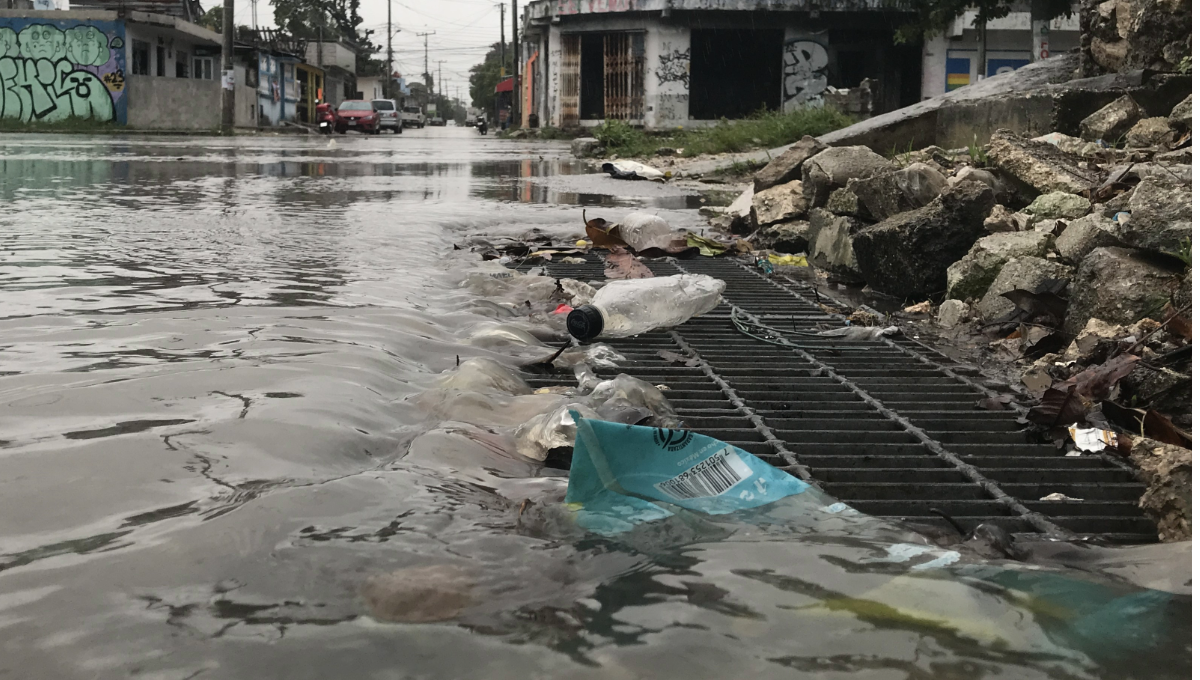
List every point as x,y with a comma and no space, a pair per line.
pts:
570,80
624,63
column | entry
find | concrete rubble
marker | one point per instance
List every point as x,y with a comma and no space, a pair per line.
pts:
1079,225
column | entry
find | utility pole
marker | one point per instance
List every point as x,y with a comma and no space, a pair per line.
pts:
387,88
227,68
428,77
516,91
441,100
502,40
254,13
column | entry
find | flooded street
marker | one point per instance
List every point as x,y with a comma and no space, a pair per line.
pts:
210,356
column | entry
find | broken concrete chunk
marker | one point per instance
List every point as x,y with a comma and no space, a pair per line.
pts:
1026,273
1181,115
952,312
1162,389
789,237
1093,335
585,147
779,204
907,254
1058,205
1043,167
997,185
1084,235
1167,472
1150,133
1160,217
788,165
835,167
1001,220
1177,172
831,243
890,193
1121,286
846,202
1071,144
971,276
1111,121
739,212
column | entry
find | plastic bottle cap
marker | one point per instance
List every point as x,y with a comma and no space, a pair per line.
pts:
585,323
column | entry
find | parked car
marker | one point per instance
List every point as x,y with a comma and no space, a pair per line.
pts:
411,116
389,117
437,121
357,114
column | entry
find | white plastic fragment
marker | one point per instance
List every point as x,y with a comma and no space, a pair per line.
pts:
1092,439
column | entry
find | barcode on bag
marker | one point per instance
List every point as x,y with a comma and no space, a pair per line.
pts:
711,477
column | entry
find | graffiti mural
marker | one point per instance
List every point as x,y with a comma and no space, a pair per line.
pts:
52,71
804,73
675,66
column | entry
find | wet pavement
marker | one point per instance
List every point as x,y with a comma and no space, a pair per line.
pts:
210,352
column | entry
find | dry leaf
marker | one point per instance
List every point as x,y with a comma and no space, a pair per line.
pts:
1096,383
678,358
602,232
1160,428
1058,408
621,264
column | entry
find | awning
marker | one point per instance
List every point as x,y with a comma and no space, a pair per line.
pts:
505,85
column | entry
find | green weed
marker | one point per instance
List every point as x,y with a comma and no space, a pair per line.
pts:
72,124
979,156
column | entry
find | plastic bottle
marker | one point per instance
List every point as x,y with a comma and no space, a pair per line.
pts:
632,306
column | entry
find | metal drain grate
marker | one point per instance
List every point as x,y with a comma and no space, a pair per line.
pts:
887,426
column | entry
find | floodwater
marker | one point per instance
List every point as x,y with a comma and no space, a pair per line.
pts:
210,353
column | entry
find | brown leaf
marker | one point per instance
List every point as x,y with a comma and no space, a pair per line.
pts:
1037,381
1058,408
602,232
678,358
1179,325
996,403
1096,383
621,264
1160,428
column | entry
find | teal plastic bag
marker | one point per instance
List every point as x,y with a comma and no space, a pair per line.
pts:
624,475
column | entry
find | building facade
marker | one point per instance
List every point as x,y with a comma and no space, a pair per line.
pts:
686,63
133,68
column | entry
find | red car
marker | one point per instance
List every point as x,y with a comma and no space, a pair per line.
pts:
357,114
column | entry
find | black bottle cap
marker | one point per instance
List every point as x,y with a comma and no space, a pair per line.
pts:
585,323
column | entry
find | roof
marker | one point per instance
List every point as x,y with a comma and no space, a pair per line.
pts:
505,85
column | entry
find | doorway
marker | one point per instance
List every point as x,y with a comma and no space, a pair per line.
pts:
735,72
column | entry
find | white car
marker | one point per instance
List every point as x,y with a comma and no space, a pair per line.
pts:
389,117
411,116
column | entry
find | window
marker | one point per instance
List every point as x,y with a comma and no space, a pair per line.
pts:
160,61
202,68
355,106
141,58
181,65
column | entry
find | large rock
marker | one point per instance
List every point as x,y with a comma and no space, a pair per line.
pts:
1111,121
1181,115
1001,220
1084,235
1120,286
907,255
831,243
585,147
833,168
789,237
1175,172
1150,133
1118,36
845,202
1167,472
1025,273
891,193
952,312
1160,216
788,165
967,173
779,204
1044,167
740,212
971,276
1058,205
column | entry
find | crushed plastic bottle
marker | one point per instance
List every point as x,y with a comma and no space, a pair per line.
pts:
629,307
643,230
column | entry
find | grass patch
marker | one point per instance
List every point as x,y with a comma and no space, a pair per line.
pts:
765,129
739,169
71,124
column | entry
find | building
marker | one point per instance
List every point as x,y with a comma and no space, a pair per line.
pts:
336,60
669,63
687,63
276,84
949,59
129,68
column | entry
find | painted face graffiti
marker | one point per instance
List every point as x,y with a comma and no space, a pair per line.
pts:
42,41
87,46
44,91
9,45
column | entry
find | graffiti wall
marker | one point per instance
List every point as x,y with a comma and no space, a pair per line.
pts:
54,70
805,60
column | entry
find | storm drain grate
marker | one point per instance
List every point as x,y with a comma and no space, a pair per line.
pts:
887,426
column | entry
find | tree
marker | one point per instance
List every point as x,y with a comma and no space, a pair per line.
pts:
331,20
213,19
485,77
934,16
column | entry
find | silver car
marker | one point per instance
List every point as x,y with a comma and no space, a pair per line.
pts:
389,116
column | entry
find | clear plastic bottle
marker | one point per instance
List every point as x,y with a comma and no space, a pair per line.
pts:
632,306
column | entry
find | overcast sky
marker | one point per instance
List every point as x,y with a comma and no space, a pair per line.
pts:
464,31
